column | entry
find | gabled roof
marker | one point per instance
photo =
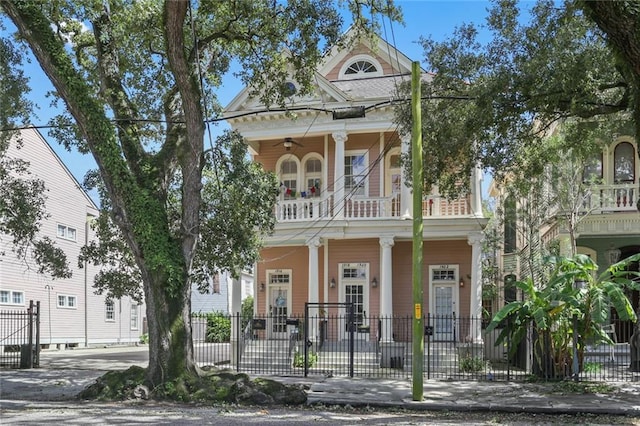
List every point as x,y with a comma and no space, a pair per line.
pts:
343,92
399,61
31,135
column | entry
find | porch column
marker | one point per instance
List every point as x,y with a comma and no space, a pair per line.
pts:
338,177
386,290
406,199
235,309
475,311
476,191
314,289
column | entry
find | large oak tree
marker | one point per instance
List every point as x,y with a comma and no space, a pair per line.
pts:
570,62
139,82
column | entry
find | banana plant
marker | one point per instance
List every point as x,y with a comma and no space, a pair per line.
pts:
575,299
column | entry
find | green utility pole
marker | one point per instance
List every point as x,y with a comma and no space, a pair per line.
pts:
416,158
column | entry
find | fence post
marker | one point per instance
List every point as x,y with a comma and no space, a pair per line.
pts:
37,357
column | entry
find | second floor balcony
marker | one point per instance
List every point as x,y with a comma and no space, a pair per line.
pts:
611,198
367,208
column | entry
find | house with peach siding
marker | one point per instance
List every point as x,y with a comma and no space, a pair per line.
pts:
344,214
71,314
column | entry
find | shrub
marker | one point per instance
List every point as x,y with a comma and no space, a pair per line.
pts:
218,328
298,359
471,364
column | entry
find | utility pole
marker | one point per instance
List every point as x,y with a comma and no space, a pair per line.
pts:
416,161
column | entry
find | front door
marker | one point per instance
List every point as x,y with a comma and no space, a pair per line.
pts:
354,290
444,302
279,304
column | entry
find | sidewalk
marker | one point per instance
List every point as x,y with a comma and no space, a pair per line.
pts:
63,375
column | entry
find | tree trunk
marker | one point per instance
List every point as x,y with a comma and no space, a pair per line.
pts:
138,208
170,346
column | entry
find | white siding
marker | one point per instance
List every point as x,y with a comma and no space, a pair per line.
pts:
68,205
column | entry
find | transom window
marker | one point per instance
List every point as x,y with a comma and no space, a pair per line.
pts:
66,232
443,275
11,297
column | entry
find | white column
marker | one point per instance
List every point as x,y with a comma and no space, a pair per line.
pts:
475,311
338,177
476,191
235,309
406,199
314,289
386,289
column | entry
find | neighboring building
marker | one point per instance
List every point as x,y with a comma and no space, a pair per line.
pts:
608,231
218,297
344,215
71,314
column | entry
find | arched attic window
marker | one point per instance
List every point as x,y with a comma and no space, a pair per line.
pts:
361,66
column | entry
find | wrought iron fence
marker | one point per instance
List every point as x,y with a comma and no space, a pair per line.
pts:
324,343
20,337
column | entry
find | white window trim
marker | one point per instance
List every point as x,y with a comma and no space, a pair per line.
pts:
289,157
106,311
66,301
367,166
11,293
312,156
134,308
356,58
453,283
65,235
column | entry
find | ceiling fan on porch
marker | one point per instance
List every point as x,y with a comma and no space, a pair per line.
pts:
288,143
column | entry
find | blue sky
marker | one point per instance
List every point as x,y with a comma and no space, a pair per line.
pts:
429,18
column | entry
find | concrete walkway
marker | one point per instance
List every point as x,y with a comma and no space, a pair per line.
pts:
63,374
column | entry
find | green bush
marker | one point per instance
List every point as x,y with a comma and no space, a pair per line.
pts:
247,311
144,338
218,328
298,359
471,364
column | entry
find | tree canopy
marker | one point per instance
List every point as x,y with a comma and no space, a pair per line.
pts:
568,62
139,81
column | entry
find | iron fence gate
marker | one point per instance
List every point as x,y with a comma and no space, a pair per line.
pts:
20,337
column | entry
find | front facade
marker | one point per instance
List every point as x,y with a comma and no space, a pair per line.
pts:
71,314
344,214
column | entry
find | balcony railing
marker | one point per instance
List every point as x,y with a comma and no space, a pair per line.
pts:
612,198
363,208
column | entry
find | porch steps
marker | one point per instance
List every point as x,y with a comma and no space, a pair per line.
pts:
266,354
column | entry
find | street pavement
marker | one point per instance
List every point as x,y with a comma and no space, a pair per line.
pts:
64,373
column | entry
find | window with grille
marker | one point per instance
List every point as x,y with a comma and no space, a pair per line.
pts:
67,301
11,297
109,311
355,173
